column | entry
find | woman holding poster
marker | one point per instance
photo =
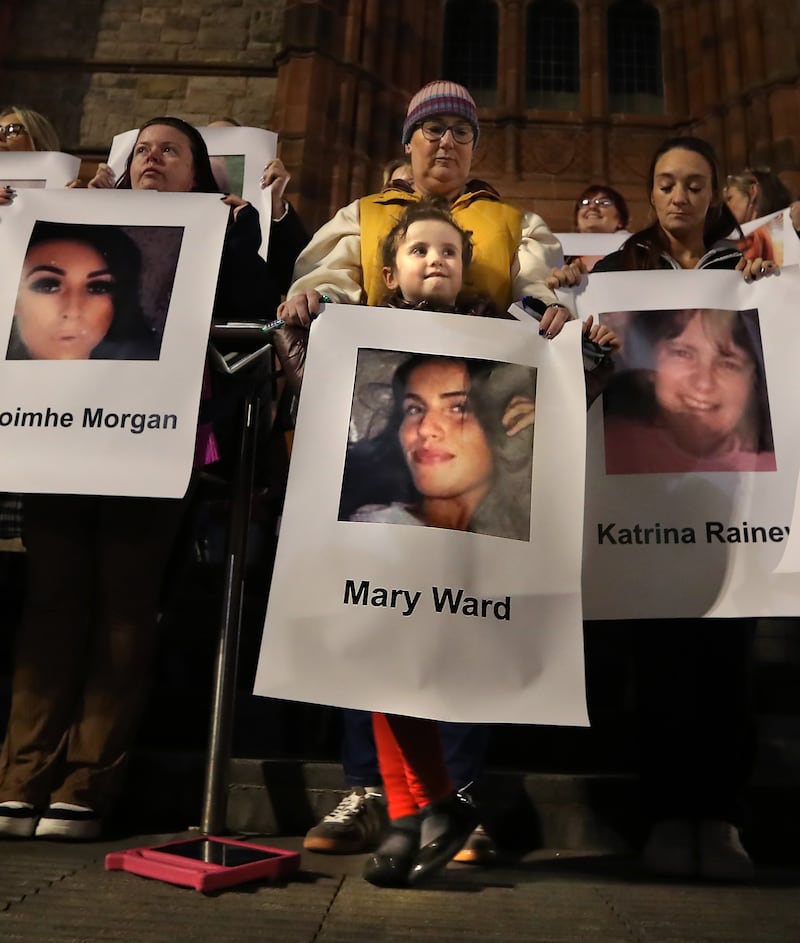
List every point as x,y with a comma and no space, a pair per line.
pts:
514,250
96,563
697,743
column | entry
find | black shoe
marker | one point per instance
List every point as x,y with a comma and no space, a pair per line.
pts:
388,870
463,817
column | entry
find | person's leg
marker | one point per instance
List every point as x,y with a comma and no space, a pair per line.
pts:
134,540
359,755
51,647
464,748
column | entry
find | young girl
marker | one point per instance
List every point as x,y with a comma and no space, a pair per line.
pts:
424,259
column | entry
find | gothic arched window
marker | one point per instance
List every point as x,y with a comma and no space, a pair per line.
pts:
552,55
469,52
635,78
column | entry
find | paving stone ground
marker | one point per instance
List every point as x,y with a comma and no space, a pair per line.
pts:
61,893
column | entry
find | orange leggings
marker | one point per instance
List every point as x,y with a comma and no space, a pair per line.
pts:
411,762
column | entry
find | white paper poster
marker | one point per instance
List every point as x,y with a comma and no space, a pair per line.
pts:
693,451
380,599
105,306
35,170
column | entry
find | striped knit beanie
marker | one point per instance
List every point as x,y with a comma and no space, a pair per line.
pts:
440,98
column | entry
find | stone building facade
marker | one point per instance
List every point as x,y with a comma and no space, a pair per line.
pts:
334,76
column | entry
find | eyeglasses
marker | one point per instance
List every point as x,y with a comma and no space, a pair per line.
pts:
596,201
12,130
463,132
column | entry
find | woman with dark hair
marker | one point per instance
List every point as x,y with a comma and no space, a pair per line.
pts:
697,742
695,398
449,450
95,563
78,297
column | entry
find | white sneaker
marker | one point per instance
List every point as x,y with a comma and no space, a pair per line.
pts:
69,822
722,855
670,849
17,819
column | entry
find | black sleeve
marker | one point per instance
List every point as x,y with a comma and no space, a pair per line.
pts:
248,287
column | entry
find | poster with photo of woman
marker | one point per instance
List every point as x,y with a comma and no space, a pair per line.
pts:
692,450
429,554
104,321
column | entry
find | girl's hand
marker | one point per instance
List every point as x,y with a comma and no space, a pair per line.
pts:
519,414
275,173
7,195
300,310
753,269
103,179
600,334
568,276
553,319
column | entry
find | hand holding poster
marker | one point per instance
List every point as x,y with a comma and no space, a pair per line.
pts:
429,558
104,319
693,454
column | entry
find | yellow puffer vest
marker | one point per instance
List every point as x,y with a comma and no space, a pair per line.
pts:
496,231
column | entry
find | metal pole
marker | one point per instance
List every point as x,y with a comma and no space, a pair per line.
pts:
222,711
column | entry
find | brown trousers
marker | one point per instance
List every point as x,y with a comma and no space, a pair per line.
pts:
85,645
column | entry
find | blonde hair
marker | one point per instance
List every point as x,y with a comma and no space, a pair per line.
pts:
42,134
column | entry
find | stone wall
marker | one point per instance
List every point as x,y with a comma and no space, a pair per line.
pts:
108,65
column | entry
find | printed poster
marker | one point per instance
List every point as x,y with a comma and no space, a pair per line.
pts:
105,307
429,555
26,170
692,451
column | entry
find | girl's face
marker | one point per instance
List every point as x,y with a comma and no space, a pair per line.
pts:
20,139
682,193
703,385
428,265
443,443
599,215
162,160
64,302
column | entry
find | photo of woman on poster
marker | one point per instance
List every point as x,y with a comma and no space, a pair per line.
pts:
692,395
454,449
79,297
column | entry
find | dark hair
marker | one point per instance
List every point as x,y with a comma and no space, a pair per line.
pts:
643,249
428,208
598,189
128,337
376,471
635,398
204,181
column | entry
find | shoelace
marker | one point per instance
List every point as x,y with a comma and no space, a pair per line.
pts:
348,808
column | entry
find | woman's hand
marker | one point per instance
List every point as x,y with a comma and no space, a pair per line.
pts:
600,334
753,269
103,179
7,195
568,276
300,310
519,414
238,204
554,318
275,173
